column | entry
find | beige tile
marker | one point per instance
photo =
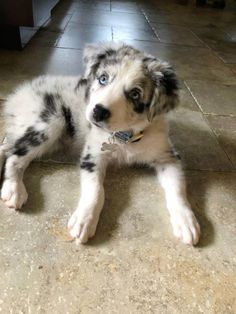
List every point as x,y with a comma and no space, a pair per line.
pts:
45,39
219,41
173,34
104,18
126,6
226,51
232,67
57,23
225,130
69,7
196,143
112,273
18,66
210,34
123,33
164,17
189,62
213,97
76,35
230,29
186,100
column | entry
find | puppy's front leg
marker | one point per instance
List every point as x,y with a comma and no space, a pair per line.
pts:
83,222
184,223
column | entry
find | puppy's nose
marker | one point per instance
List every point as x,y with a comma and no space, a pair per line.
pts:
100,113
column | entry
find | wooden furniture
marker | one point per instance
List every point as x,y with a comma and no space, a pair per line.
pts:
20,20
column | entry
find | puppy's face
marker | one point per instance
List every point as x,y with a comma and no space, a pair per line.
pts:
127,88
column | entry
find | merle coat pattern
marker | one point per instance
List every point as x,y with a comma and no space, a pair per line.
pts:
123,89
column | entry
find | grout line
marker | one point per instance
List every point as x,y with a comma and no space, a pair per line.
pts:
220,115
217,140
200,107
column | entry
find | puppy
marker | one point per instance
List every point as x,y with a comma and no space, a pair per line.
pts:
114,114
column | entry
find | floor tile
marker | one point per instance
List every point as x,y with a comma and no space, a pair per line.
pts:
230,29
69,7
120,6
110,19
45,39
225,130
165,17
189,62
186,100
232,67
211,34
226,51
123,33
214,97
196,143
133,240
57,23
173,34
18,66
219,41
77,35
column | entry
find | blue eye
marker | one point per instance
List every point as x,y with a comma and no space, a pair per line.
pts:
134,94
103,79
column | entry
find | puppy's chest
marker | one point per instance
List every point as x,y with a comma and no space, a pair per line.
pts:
130,153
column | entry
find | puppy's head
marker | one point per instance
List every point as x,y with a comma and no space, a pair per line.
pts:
127,88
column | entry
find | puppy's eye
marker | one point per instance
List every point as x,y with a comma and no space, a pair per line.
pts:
135,94
103,79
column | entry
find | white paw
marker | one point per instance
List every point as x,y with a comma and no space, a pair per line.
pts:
185,226
82,227
14,194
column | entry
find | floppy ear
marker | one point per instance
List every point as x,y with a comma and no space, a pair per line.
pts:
166,87
92,56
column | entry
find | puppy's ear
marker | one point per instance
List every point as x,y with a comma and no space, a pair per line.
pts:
94,54
166,87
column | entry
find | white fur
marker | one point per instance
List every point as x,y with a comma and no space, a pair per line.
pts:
23,109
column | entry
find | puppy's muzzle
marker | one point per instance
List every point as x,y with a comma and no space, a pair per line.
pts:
100,113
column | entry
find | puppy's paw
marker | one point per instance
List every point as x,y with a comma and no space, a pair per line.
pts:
82,227
186,227
14,194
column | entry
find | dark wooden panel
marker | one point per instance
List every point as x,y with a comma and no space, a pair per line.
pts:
16,12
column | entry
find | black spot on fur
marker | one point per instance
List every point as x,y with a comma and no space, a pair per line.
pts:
31,138
110,52
87,165
169,81
70,127
87,92
50,107
82,82
87,157
138,105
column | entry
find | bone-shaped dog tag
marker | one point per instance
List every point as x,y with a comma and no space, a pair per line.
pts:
107,146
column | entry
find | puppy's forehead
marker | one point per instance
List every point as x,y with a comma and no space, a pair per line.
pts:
126,68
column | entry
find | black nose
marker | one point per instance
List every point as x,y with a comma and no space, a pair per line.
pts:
100,113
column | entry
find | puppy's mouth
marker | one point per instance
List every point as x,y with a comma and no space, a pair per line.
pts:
97,124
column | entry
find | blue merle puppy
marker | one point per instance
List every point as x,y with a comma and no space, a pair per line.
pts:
114,114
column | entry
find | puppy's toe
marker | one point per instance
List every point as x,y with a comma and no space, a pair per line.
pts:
186,227
82,228
14,194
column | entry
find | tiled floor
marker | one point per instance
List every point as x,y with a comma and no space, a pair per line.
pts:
133,264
